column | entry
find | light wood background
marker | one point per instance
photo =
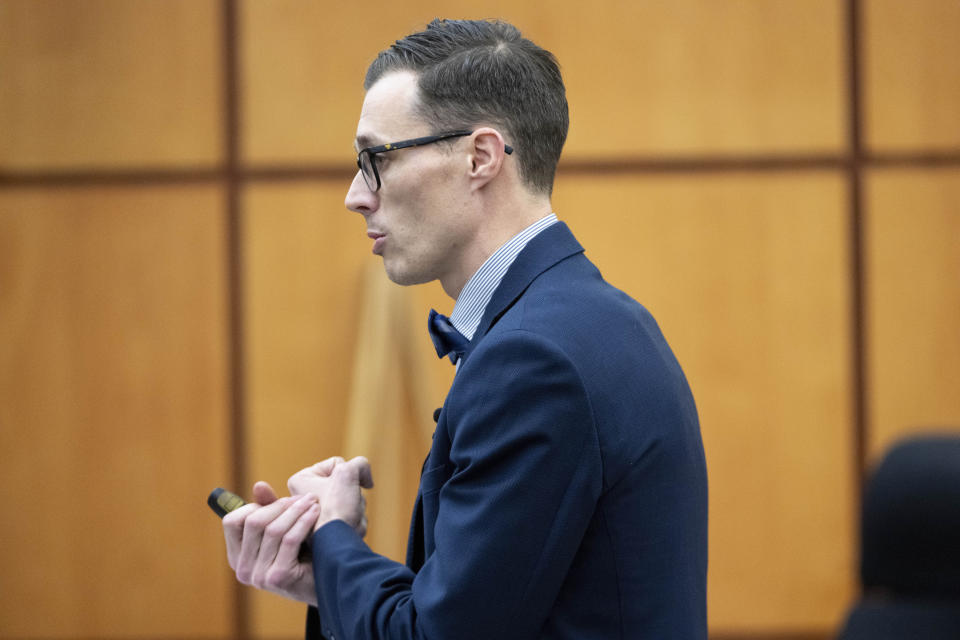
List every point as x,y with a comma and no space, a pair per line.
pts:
185,303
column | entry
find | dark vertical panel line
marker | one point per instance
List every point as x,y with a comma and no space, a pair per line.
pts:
857,267
234,233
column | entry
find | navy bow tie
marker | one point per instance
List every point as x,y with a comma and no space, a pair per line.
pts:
446,338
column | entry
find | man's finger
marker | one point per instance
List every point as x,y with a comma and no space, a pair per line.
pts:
298,481
263,493
355,473
273,535
233,530
253,526
289,550
325,468
364,472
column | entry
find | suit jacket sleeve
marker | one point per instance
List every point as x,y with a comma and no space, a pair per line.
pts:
513,498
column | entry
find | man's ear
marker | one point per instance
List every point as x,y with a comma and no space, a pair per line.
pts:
486,156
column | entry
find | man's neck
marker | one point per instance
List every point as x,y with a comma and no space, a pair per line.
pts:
496,231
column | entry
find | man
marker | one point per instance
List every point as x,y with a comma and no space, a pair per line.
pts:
565,494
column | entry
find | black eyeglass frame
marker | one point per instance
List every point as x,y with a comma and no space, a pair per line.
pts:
404,144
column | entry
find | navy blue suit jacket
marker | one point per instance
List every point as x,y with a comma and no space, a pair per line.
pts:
565,494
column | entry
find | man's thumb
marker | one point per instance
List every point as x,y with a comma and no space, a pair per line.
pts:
354,473
263,493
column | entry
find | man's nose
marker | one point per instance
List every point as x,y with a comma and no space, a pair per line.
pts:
360,198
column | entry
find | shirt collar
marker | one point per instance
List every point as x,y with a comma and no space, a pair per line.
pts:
476,294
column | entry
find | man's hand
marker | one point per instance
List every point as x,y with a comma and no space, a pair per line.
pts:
336,484
263,543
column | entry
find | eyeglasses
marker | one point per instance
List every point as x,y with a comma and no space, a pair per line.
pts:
368,166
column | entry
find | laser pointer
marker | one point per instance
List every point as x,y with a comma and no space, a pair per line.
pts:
223,502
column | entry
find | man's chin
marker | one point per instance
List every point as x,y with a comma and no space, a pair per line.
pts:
405,277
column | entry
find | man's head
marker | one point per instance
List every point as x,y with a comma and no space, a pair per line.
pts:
484,72
438,209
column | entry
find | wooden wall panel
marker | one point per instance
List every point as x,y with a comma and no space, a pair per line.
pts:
701,77
113,412
747,275
679,77
109,83
913,297
113,301
305,260
911,75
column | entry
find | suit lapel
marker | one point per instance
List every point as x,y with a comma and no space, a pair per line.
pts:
550,246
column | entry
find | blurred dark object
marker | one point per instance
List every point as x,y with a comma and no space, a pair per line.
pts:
910,544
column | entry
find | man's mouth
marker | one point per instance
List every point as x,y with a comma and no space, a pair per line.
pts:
379,239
